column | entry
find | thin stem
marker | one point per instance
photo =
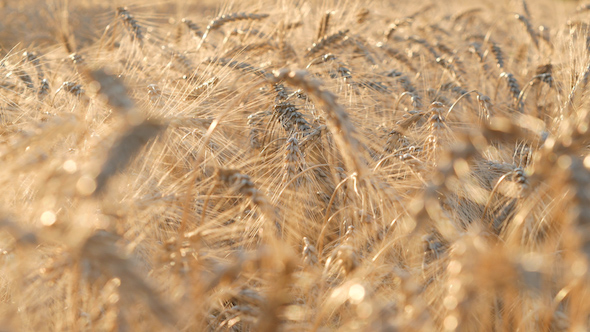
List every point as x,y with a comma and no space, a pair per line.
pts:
457,101
327,215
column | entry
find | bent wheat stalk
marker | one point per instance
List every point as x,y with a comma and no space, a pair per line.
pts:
337,119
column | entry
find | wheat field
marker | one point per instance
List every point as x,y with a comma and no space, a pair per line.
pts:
335,165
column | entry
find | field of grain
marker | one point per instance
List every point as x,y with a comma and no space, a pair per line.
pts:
294,165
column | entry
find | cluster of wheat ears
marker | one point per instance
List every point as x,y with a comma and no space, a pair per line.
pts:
295,166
